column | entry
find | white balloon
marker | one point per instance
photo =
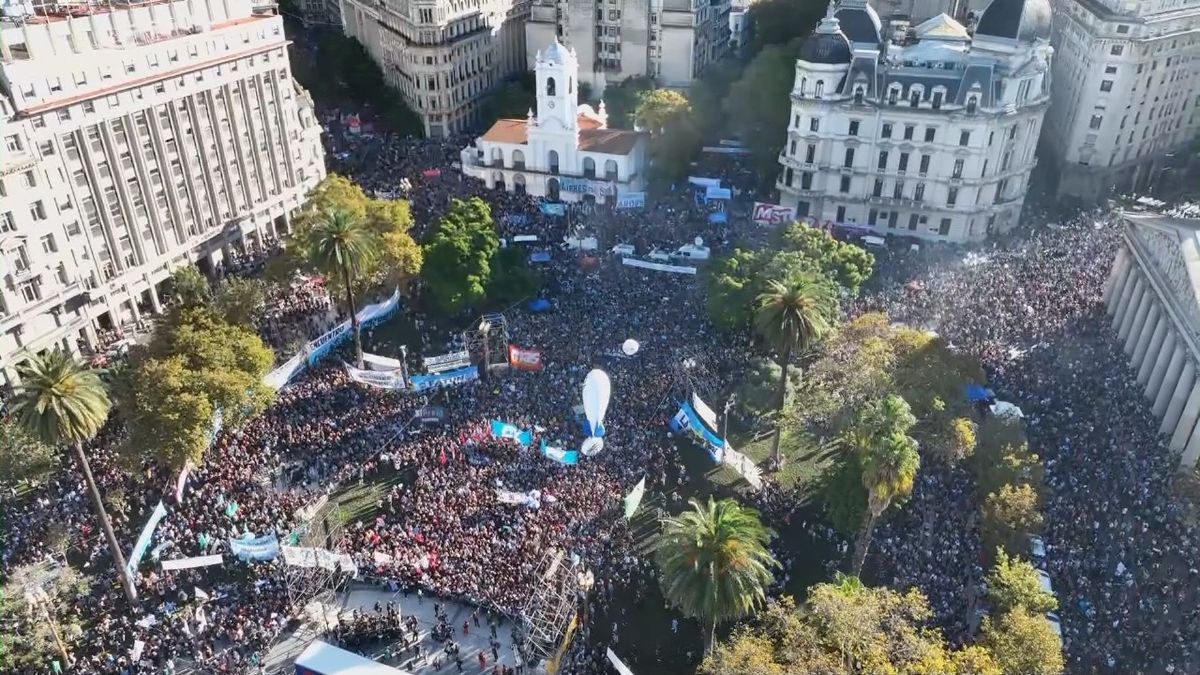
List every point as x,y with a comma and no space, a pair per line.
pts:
597,389
630,347
591,446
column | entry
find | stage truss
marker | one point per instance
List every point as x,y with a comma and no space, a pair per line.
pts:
551,614
487,341
305,584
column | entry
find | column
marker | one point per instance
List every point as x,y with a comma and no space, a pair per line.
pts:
1126,299
1148,340
1164,385
1191,451
155,302
1156,364
1179,397
1187,421
1138,324
1135,304
1115,283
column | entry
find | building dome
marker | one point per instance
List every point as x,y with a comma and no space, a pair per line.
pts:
827,44
556,53
860,22
1022,20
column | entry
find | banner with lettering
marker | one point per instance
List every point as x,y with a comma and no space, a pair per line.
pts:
258,549
687,419
631,200
587,187
657,267
144,539
449,378
772,214
531,499
437,364
525,359
716,192
384,379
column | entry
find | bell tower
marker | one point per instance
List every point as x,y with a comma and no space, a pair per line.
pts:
557,74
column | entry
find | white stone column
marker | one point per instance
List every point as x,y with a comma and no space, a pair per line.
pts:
1116,280
1131,312
1191,451
1187,421
1179,397
1126,298
1165,383
1156,363
1138,327
1148,340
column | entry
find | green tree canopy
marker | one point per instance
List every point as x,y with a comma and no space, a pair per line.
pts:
1010,515
1013,583
845,628
513,99
512,278
23,457
458,257
847,264
620,100
658,109
713,561
241,301
778,22
762,125
40,600
189,287
674,136
343,69
1024,644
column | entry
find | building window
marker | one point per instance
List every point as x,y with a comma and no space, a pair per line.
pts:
858,95
1110,70
845,186
550,87
849,159
958,168
1106,85
972,103
964,138
904,161
893,95
952,197
552,161
1117,50
919,192
914,98
806,180
886,132
872,216
898,190
912,221
1096,121
788,176
30,179
810,154
841,214
924,164
792,148
877,191
930,134
48,245
37,211
814,124
883,158
853,127
29,291
8,223
820,88
937,100
944,227
1122,29
909,130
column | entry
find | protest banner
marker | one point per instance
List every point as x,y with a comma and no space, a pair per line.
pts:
447,379
502,429
390,379
260,549
553,209
144,539
657,267
772,214
195,561
437,364
631,200
525,359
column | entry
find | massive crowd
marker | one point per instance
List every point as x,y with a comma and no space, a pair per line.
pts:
441,529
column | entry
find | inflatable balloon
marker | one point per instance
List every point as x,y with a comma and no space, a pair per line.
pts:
597,389
630,347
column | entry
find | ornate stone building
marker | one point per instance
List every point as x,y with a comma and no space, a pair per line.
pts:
1153,296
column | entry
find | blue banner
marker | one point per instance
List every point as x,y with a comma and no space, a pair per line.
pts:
713,192
540,257
144,539
553,209
448,378
502,429
261,548
560,454
631,200
687,420
718,217
516,219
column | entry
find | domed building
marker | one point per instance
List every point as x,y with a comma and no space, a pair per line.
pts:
930,134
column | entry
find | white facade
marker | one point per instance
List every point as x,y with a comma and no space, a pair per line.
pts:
934,139
442,56
137,140
1124,107
671,41
564,151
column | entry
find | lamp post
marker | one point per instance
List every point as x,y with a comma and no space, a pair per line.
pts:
725,421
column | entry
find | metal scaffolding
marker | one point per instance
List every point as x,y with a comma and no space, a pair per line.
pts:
550,614
305,584
487,341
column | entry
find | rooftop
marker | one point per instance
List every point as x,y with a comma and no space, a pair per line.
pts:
591,139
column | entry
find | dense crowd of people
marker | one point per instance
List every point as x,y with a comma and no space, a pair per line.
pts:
441,528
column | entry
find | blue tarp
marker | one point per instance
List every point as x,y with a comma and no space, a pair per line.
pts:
540,305
718,217
540,257
978,393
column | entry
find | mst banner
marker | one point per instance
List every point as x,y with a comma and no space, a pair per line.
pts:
772,214
525,359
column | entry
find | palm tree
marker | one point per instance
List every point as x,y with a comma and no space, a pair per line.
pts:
339,242
60,401
889,468
713,562
791,317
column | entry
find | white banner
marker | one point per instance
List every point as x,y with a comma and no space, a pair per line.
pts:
437,364
772,214
197,561
383,362
384,379
303,556
658,267
532,499
622,669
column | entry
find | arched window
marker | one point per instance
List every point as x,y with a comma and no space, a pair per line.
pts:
858,95
589,167
893,94
518,159
820,88
497,157
552,189
550,86
552,161
519,183
610,169
498,180
570,85
803,86
972,103
914,96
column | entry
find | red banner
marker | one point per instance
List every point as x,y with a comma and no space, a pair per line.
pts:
525,359
431,173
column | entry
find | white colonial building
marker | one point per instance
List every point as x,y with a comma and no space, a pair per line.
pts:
138,138
934,137
563,151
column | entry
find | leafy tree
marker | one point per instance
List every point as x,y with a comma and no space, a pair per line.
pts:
732,285
845,499
847,264
62,402
658,109
1002,457
1013,584
512,277
708,95
1024,644
762,126
1010,515
40,621
458,257
756,395
166,414
344,69
190,287
778,22
23,458
620,100
514,98
341,244
241,301
398,258
843,628
674,137
793,315
713,562
334,193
